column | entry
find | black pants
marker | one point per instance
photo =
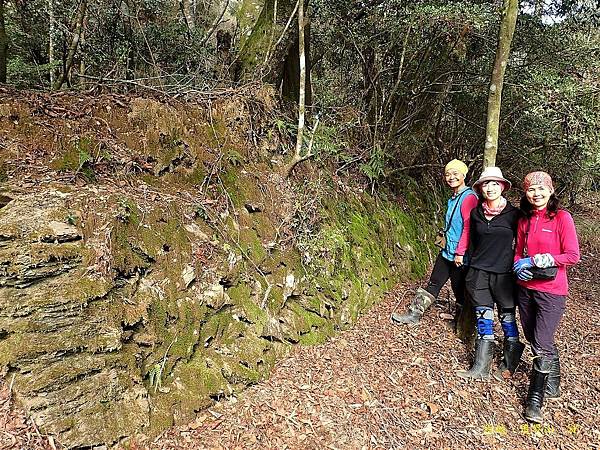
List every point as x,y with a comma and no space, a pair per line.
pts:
540,314
444,270
487,288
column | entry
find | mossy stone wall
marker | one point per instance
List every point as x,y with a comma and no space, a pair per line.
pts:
127,309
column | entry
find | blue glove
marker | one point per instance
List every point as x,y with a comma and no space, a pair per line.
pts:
523,263
524,275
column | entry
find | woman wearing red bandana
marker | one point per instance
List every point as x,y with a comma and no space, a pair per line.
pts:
490,280
546,244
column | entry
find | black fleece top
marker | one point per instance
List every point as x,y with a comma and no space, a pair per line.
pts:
492,241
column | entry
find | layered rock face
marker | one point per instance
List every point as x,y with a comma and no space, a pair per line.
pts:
61,331
128,305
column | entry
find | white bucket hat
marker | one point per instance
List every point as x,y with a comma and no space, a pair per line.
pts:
492,174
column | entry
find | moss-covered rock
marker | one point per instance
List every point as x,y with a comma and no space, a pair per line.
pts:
127,308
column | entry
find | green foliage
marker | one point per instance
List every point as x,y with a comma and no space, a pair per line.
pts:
329,143
23,73
374,167
409,82
155,376
397,85
200,213
77,158
3,171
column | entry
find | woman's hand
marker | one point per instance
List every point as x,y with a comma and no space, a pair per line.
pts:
524,275
458,260
523,263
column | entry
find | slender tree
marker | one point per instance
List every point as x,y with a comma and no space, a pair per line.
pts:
298,157
51,37
510,10
127,12
73,47
3,44
188,14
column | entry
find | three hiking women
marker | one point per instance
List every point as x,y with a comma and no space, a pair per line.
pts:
490,280
546,244
447,265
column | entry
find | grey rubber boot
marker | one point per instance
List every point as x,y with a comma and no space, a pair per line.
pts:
511,356
553,387
537,387
480,370
422,301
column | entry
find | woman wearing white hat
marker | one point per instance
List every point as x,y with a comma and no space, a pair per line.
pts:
490,280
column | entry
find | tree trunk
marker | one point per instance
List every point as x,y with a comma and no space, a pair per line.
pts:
128,31
188,14
3,45
73,48
298,157
259,55
290,83
51,36
510,10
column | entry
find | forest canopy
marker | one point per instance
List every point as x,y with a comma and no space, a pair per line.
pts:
399,86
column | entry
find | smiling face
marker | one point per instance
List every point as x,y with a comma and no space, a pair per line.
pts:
538,195
455,179
491,190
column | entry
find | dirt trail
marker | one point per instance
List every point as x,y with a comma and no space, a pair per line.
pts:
381,386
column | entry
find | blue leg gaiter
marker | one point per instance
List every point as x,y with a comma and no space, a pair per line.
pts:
485,322
509,324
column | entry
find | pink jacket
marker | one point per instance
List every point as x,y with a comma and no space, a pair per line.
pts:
467,206
556,236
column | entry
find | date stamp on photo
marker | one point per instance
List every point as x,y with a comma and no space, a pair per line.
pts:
531,430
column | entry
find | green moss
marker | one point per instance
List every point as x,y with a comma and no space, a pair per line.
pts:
220,329
315,328
241,295
3,171
252,245
214,134
196,176
76,157
248,17
259,41
170,147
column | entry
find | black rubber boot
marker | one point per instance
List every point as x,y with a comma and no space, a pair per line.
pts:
457,315
422,301
480,370
537,387
553,387
511,356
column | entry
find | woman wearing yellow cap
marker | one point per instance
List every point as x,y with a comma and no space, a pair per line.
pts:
448,265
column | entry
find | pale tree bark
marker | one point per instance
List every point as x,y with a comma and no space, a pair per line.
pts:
510,10
298,156
73,47
51,36
188,14
3,45
259,57
127,12
81,70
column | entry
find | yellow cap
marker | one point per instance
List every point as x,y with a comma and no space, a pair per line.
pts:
457,164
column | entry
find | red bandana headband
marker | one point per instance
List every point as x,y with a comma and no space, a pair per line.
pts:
538,178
